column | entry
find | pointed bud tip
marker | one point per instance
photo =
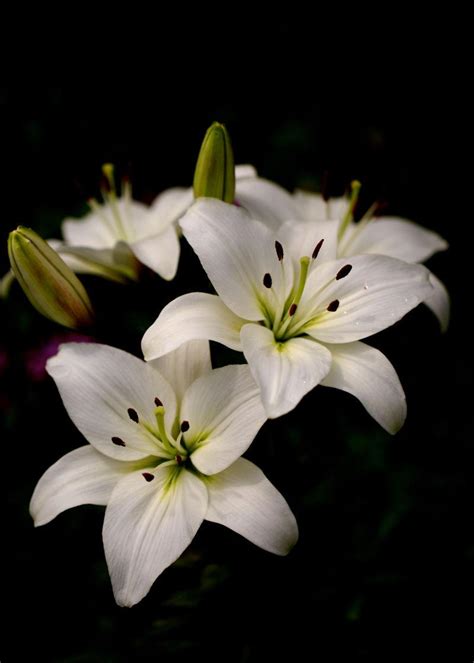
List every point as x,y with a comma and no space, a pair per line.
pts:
214,176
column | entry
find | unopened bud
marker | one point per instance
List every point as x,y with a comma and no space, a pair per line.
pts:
214,176
52,288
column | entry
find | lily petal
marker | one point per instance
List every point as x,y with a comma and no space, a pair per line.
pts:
243,499
302,237
368,375
377,292
235,250
184,365
394,237
266,201
83,476
192,317
98,384
147,525
168,207
92,231
225,413
245,170
83,260
312,206
439,302
285,372
159,252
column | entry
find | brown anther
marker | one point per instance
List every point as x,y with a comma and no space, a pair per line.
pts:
148,476
333,306
317,249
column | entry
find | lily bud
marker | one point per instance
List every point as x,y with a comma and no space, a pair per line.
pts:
52,288
214,176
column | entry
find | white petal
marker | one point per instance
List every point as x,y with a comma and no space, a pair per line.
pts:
148,525
245,170
184,365
236,252
391,236
170,205
159,252
82,260
91,231
243,499
285,372
300,238
83,476
368,375
374,295
98,384
192,317
312,206
266,201
439,302
225,413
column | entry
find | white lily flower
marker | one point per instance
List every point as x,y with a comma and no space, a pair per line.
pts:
115,237
387,235
122,231
162,458
296,311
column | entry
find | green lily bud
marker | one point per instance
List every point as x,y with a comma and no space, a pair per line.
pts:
52,288
214,176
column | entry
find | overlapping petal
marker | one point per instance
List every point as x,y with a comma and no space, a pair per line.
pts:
377,292
285,372
184,365
235,250
224,413
160,252
368,375
192,317
98,384
147,525
83,476
243,499
394,237
439,302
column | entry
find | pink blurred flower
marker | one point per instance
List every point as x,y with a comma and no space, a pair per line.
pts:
36,358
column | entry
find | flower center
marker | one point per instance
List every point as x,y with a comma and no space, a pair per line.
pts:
168,446
113,221
281,312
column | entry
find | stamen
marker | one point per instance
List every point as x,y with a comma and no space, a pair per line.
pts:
349,215
267,280
279,250
148,476
160,420
184,426
158,403
292,310
344,271
133,415
317,249
178,459
108,170
333,306
304,265
325,186
118,441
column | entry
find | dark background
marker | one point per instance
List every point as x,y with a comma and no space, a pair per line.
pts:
384,565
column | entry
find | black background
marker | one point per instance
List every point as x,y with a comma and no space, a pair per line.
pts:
384,565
